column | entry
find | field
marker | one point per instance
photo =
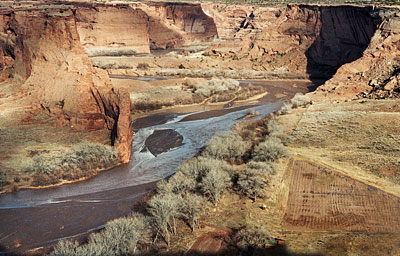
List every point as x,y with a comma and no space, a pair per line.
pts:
320,199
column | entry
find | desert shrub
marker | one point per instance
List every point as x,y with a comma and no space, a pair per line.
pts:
274,128
10,75
299,100
177,184
252,183
270,150
94,52
143,66
265,167
192,205
164,211
197,168
214,183
123,235
253,237
83,156
43,179
285,108
215,86
66,247
229,147
119,237
3,178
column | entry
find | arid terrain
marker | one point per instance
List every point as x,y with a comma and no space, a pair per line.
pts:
81,81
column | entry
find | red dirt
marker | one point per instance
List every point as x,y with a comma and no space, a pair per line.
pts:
211,243
322,200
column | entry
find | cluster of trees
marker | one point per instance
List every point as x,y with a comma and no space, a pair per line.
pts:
227,162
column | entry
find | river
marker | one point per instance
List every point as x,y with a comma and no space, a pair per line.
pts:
36,218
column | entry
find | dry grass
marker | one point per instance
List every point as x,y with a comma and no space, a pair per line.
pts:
365,135
19,145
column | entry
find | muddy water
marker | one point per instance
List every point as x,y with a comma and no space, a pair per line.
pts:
35,218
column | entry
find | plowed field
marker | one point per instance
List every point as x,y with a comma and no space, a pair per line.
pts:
323,200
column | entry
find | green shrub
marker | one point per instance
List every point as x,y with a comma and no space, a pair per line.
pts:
270,150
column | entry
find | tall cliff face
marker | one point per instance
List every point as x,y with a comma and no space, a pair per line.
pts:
376,73
42,45
172,25
112,26
107,28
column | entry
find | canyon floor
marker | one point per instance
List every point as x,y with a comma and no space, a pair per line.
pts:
338,193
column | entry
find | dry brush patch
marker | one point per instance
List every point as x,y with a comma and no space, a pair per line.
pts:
198,185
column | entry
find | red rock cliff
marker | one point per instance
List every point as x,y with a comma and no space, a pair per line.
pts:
42,45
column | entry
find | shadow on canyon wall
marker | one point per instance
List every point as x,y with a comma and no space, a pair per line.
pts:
346,32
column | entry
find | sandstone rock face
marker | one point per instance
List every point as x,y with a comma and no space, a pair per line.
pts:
43,46
376,73
108,27
116,29
172,25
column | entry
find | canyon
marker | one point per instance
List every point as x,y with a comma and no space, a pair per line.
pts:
73,71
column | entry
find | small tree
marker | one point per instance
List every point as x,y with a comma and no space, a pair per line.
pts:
214,183
191,207
198,167
178,184
270,150
229,147
164,210
266,168
274,128
253,183
253,237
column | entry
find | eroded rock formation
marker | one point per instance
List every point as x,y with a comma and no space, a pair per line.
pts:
42,47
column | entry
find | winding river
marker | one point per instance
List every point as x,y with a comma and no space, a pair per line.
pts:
37,218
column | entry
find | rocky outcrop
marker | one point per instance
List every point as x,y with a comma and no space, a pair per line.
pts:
42,46
376,73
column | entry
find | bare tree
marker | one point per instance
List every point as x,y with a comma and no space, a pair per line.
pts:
252,183
177,184
270,150
192,206
164,210
214,183
229,147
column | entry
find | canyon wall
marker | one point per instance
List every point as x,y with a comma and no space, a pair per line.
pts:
172,25
41,46
112,26
107,28
376,73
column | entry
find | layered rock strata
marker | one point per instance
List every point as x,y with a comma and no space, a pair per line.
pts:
41,47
